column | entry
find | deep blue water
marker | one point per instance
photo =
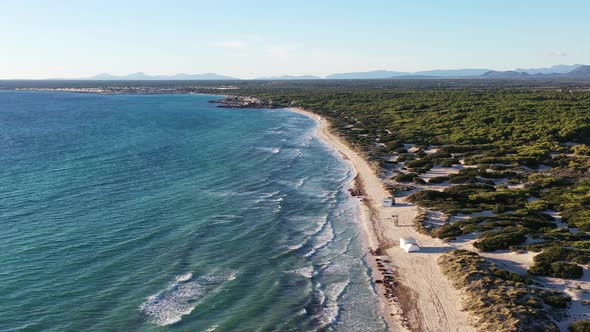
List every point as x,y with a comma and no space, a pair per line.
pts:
164,212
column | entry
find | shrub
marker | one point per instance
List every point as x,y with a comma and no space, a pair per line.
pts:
421,166
578,217
499,241
556,300
417,163
449,231
438,179
462,192
566,270
581,150
446,162
499,208
555,261
539,205
394,145
461,179
580,326
405,177
419,220
405,157
427,195
418,180
552,254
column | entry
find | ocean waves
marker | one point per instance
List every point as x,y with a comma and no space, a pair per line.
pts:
164,212
183,296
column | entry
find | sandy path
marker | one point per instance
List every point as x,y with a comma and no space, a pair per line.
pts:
428,301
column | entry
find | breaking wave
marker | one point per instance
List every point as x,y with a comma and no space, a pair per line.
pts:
181,298
269,150
330,307
306,272
322,239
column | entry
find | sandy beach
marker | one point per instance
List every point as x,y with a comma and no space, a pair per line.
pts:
423,300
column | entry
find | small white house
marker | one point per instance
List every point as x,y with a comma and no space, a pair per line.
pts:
388,202
408,244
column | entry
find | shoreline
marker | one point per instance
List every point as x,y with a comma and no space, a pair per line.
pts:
418,297
388,311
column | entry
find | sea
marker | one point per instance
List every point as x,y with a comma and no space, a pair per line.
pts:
168,213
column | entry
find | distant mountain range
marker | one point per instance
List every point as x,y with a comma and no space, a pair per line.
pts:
288,77
574,71
440,73
558,69
382,74
144,77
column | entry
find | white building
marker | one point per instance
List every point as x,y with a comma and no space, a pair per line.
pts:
388,202
408,244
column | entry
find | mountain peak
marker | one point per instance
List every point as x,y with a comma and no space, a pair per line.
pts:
581,71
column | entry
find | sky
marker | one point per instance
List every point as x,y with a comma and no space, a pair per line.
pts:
254,38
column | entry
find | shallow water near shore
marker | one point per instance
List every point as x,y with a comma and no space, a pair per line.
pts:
164,212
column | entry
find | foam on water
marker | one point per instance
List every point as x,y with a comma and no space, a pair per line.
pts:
317,222
322,239
301,182
295,246
307,139
266,196
273,150
212,328
306,272
342,266
184,277
181,297
330,307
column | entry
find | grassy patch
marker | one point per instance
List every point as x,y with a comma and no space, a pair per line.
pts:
500,300
580,326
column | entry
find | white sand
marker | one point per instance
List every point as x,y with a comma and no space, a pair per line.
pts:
429,302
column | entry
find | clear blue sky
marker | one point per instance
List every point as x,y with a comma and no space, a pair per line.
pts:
53,38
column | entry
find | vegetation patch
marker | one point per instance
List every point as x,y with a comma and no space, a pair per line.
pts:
419,221
494,240
469,198
580,326
405,177
560,262
500,300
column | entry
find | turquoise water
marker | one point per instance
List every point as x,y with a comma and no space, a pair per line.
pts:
164,212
